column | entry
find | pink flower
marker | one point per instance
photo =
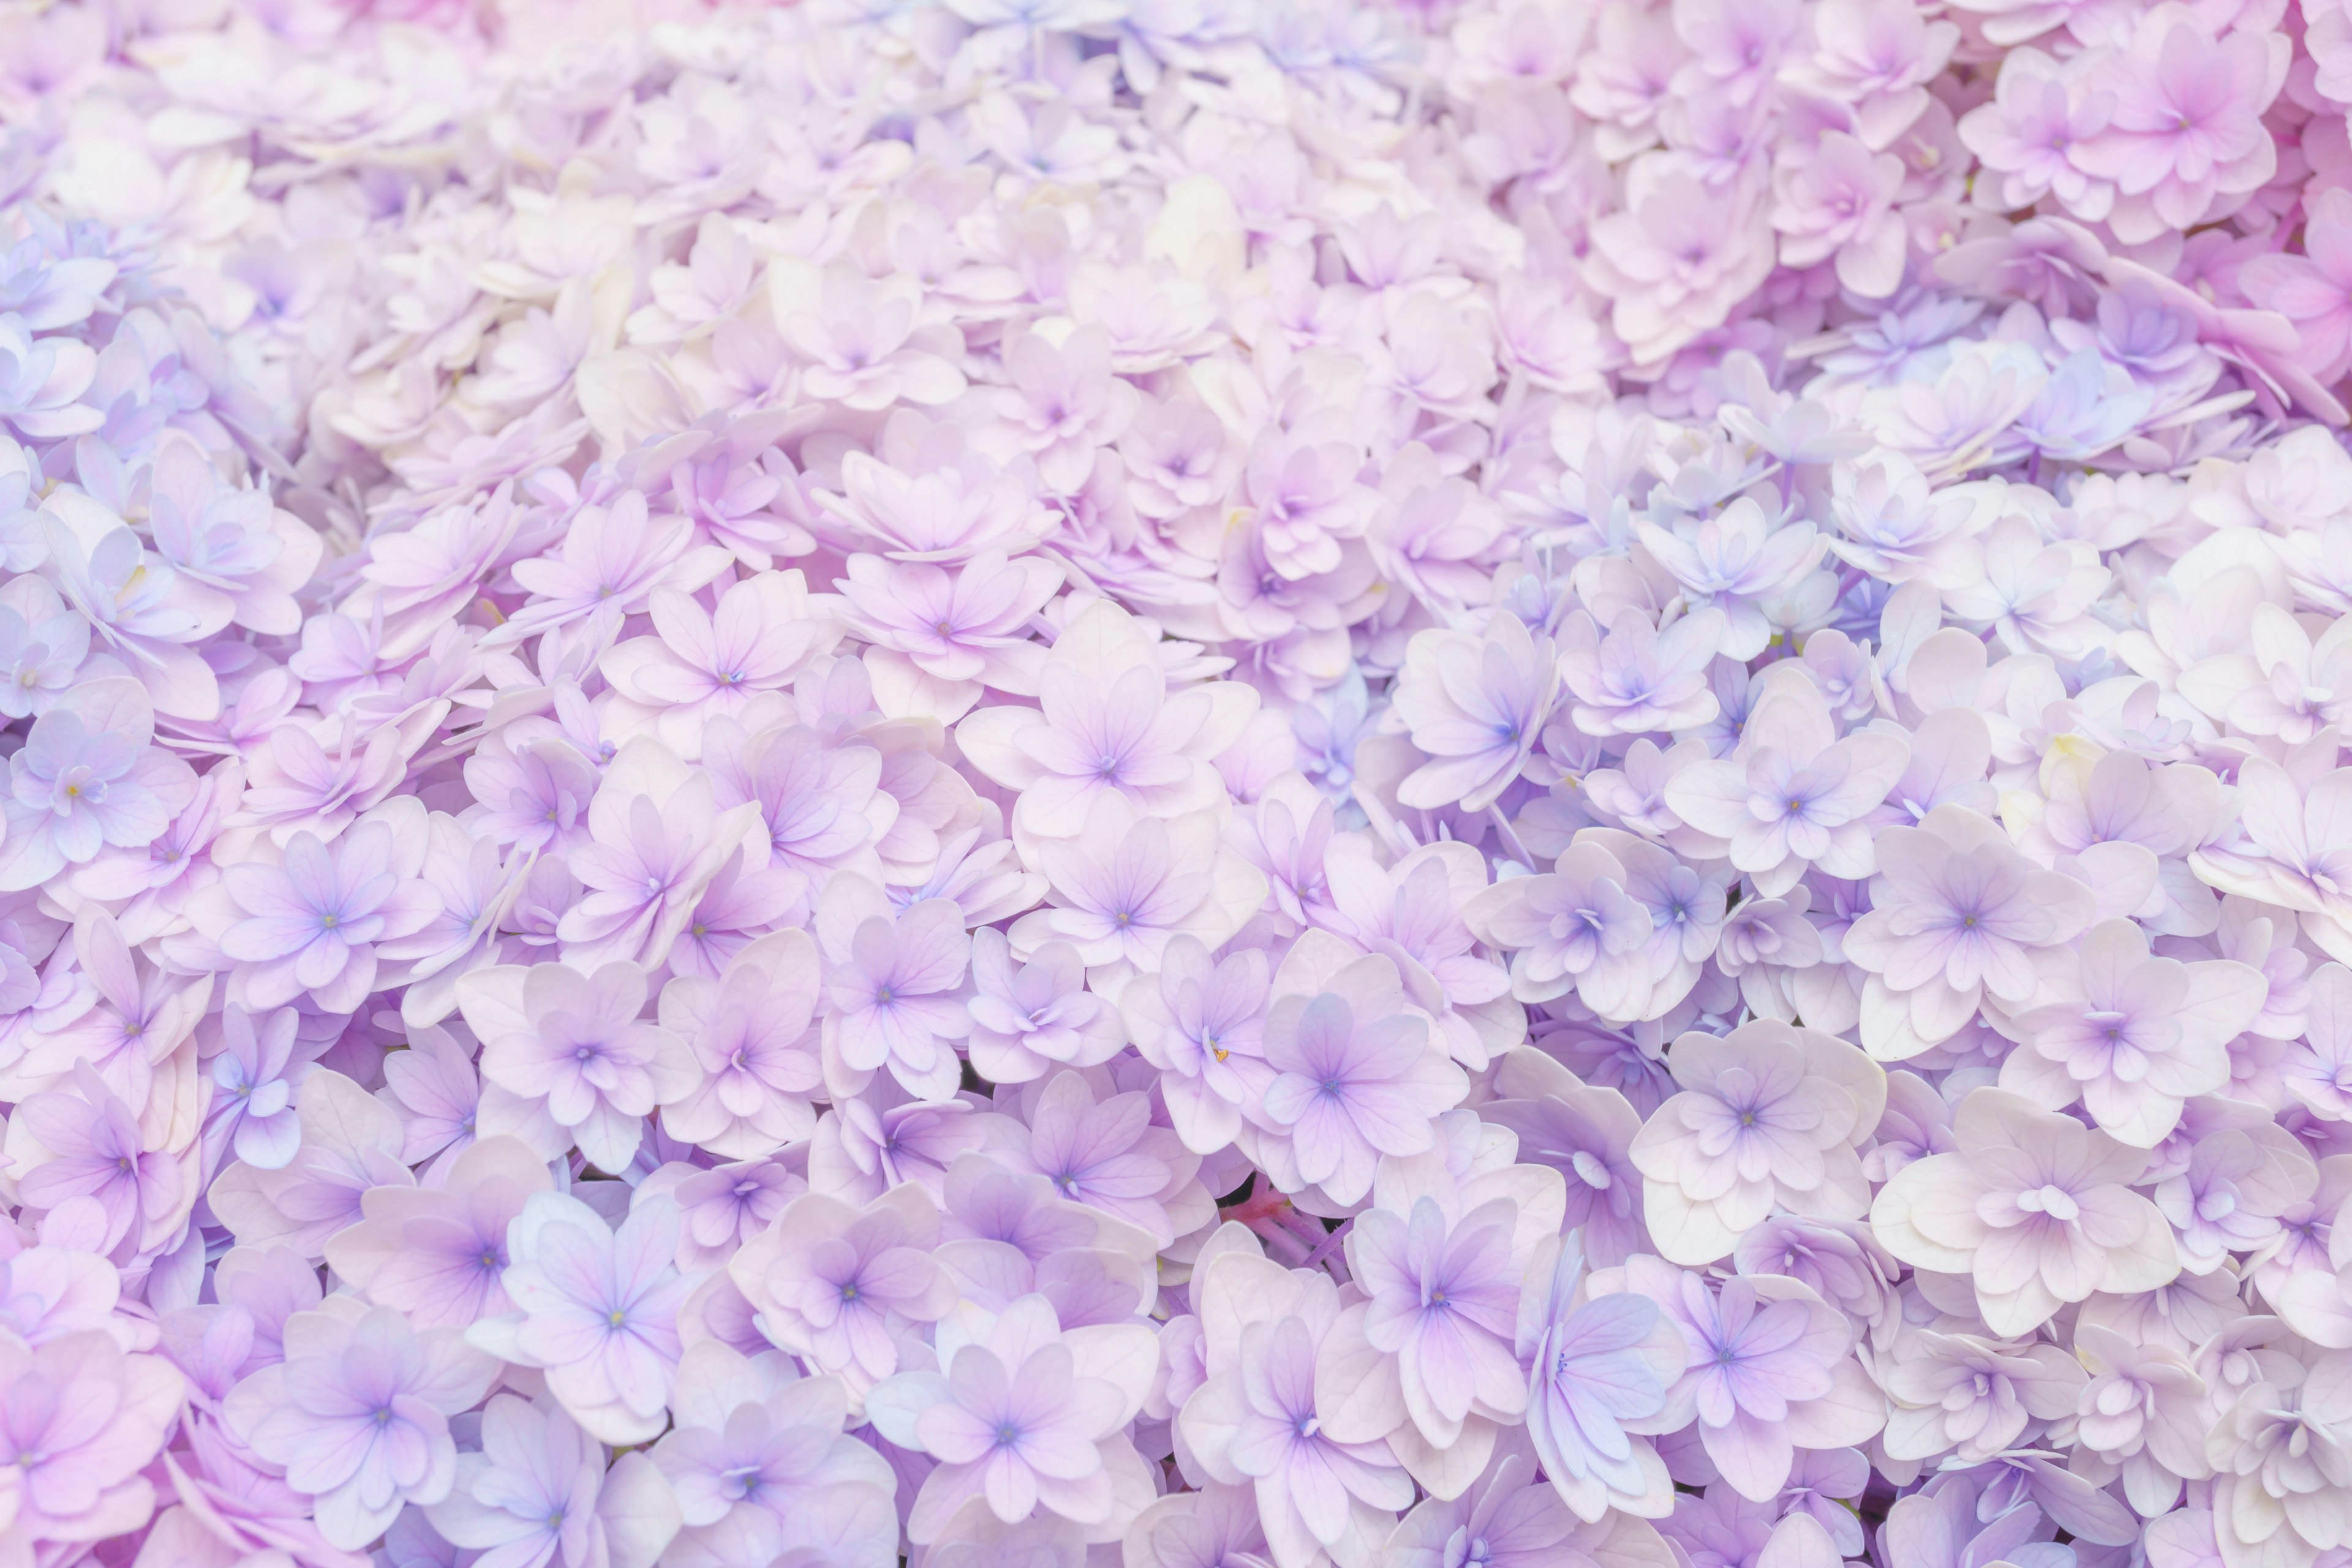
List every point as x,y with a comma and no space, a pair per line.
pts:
1837,202
1676,260
2187,129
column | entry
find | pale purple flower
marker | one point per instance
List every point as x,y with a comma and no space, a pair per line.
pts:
1476,706
946,514
612,559
538,1494
1106,724
1723,1529
2036,1208
1021,1419
708,663
1204,1029
1594,1366
1733,563
1445,1301
1128,884
1570,929
2140,1412
349,1142
1840,1260
577,1044
597,1311
1768,1115
311,925
1977,1397
97,1151
749,1031
439,1253
358,1414
1104,1152
660,839
79,1419
1508,1518
1768,1370
1585,1132
1310,1489
1640,676
87,778
42,647
972,625
1792,795
531,796
896,988
438,1094
2134,1038
1838,205
1025,1020
1355,1078
253,1089
839,1286
2232,1192
821,807
1956,914
761,1467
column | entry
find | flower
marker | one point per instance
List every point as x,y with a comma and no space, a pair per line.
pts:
87,778
539,1493
576,1044
1444,1300
2139,1036
1476,706
759,1464
1021,1418
1595,1366
749,1031
597,1309
2036,1208
1768,1116
1345,1092
358,1414
896,986
439,1254
837,1284
1767,1370
311,926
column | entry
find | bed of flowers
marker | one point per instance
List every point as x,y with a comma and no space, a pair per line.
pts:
1175,783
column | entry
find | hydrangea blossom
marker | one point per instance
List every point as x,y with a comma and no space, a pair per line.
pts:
1396,784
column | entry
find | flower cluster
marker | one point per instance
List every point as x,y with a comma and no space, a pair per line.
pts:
1197,784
